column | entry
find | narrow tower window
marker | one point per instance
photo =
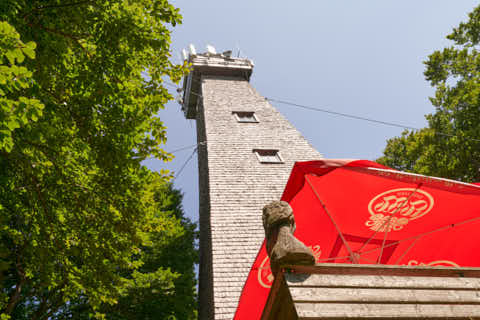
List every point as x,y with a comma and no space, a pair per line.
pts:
268,156
245,116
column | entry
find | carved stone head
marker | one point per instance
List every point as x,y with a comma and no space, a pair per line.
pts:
275,214
282,246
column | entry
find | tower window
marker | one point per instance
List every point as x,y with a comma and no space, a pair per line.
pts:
268,156
245,116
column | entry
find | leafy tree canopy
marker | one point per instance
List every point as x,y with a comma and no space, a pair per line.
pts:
450,145
80,87
164,292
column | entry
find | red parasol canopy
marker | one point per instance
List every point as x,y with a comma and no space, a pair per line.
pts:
362,212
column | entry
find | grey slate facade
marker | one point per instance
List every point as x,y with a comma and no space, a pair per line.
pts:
234,184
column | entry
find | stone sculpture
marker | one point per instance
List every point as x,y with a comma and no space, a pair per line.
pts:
282,246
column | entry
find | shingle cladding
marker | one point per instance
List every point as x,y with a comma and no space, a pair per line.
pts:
234,185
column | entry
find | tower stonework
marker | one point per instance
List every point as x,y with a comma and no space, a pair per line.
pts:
246,150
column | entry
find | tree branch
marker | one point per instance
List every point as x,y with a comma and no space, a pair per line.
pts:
74,38
56,6
15,297
55,302
64,5
55,31
45,210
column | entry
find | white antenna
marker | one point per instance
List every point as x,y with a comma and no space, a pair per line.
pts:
192,50
211,49
179,99
238,50
184,54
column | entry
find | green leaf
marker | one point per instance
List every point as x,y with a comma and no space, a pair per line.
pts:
29,49
10,56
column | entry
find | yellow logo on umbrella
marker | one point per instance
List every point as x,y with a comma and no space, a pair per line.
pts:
393,209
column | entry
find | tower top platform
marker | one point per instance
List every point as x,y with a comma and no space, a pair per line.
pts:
210,64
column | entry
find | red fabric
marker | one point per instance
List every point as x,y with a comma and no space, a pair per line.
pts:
417,220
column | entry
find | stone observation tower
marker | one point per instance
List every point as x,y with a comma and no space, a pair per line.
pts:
246,150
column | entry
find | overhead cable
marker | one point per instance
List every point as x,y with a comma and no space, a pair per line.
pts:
346,115
341,114
351,116
187,147
184,164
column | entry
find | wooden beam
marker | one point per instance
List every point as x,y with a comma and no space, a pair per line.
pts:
387,270
384,311
384,295
371,281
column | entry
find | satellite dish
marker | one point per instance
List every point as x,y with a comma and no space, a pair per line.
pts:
179,99
192,49
184,54
211,49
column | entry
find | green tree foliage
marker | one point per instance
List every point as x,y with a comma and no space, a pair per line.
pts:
16,109
450,145
164,286
166,291
80,87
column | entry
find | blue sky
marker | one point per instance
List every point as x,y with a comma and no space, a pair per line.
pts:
358,57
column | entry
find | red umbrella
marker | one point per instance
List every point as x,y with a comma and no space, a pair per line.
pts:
362,212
